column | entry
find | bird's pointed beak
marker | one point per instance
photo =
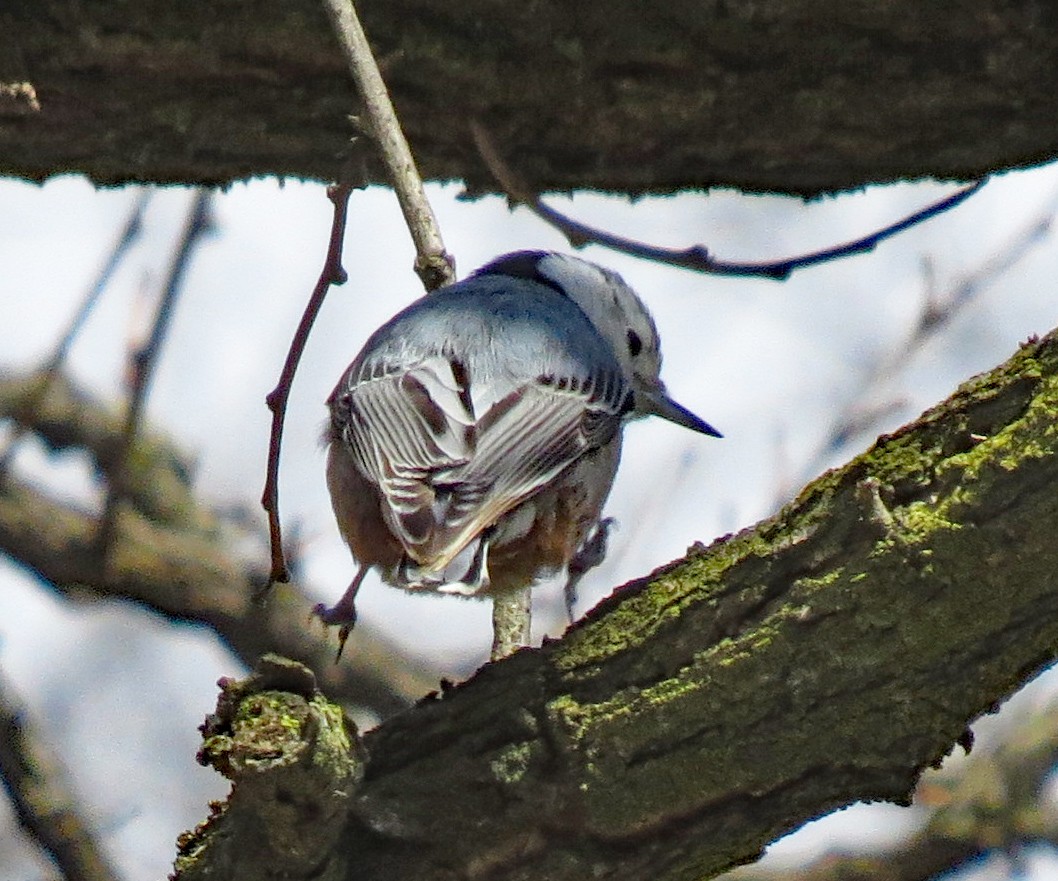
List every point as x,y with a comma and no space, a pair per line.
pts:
656,402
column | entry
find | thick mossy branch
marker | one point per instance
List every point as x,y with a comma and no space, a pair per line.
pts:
996,800
293,760
828,655
631,97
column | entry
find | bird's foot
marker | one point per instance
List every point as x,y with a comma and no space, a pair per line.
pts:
343,612
589,555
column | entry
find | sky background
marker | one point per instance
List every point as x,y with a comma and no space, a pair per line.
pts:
773,366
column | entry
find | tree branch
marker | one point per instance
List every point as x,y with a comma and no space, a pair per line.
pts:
996,802
42,797
631,99
198,224
864,407
128,235
333,273
434,265
697,257
827,655
289,751
172,556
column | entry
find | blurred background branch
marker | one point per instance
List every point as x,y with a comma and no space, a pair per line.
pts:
173,555
43,796
870,401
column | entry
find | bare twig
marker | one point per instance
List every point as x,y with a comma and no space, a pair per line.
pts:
433,264
939,309
199,222
182,567
696,257
511,618
126,238
43,799
332,273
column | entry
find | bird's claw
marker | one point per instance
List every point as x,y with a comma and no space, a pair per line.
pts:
342,613
589,555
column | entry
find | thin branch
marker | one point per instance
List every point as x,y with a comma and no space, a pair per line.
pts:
696,258
332,273
126,238
939,310
130,232
42,797
181,567
199,222
433,264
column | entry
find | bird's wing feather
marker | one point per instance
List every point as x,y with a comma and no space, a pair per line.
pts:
403,427
524,442
448,473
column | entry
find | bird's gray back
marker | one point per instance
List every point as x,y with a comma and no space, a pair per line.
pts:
508,328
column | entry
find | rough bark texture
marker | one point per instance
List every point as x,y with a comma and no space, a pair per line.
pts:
295,762
802,97
996,801
827,655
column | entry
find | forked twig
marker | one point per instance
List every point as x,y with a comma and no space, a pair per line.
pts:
433,264
696,257
332,273
199,222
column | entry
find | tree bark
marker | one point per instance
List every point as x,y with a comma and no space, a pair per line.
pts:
800,97
827,655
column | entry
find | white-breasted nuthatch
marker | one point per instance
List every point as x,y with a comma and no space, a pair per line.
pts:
475,438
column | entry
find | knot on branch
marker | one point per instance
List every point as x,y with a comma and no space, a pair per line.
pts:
294,760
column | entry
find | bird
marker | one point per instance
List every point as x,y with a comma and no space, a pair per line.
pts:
473,441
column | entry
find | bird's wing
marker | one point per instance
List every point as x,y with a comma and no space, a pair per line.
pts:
403,427
446,472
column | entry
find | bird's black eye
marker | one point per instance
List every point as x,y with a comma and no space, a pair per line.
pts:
635,344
